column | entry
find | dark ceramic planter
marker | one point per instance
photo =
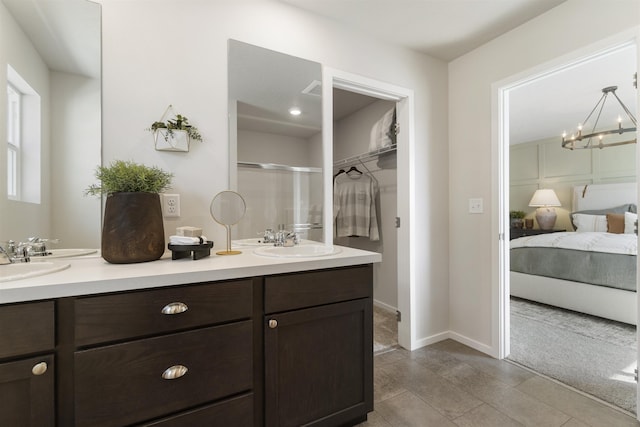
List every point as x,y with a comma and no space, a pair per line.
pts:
132,230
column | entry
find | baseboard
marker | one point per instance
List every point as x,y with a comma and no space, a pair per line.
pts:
476,345
423,342
384,306
483,348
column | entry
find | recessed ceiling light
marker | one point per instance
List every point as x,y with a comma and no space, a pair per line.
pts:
295,111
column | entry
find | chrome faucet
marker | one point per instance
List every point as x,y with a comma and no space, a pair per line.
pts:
286,238
281,237
4,257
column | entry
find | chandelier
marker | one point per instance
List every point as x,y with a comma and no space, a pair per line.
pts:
597,138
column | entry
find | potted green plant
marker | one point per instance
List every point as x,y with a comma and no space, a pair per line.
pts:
132,229
174,134
516,218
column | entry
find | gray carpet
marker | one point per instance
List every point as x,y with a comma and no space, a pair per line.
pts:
594,355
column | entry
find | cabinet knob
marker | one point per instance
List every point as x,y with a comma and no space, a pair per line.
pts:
173,372
39,368
273,323
175,308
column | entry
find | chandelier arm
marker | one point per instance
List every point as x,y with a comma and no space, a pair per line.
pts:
595,123
601,100
626,110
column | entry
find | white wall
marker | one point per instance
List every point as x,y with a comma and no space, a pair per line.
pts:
473,153
75,124
161,52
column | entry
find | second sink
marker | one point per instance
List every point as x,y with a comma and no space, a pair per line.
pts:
29,269
299,251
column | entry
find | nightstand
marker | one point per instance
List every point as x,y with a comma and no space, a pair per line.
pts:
522,232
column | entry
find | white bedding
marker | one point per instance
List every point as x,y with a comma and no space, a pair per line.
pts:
626,244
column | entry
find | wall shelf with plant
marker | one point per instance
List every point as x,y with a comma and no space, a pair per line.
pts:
173,132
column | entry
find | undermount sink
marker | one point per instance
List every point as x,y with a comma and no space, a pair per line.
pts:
29,269
64,253
299,251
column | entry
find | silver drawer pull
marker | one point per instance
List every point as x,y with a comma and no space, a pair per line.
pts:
175,371
175,308
39,368
273,323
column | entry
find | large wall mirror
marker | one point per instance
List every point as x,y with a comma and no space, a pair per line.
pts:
275,132
50,111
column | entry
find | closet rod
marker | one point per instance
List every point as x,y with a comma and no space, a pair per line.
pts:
275,166
364,157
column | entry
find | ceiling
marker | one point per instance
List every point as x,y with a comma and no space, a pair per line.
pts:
66,33
447,29
444,29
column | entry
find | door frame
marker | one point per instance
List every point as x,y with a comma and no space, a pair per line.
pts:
500,181
404,98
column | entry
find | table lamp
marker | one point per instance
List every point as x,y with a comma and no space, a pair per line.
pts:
545,200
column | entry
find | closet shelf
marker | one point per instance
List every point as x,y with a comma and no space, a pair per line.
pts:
275,166
365,157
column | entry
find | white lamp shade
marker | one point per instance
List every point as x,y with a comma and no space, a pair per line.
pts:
544,197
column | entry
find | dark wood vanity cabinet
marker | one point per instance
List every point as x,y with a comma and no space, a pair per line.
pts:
167,356
318,348
283,350
27,369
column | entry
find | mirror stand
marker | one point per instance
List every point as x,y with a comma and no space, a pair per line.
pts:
227,208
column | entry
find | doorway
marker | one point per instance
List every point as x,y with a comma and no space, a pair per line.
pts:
516,189
365,163
403,98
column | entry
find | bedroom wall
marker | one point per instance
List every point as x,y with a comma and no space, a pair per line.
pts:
161,52
473,151
545,164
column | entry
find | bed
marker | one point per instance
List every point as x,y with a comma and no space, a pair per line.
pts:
590,271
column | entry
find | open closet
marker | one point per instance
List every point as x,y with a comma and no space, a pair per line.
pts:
365,196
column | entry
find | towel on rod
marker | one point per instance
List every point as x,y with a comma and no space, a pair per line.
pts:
354,207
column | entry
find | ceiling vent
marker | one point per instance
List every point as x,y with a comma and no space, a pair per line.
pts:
314,88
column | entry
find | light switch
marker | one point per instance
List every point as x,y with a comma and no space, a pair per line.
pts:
475,206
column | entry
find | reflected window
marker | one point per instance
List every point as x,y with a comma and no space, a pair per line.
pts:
23,139
13,141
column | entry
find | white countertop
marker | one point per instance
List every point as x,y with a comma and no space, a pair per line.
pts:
93,275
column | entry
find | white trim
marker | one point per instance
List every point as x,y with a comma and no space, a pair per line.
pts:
406,181
499,157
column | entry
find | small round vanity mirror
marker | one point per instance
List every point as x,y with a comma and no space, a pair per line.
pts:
228,208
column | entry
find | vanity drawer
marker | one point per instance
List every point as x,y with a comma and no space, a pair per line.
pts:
123,384
236,412
129,315
27,328
299,290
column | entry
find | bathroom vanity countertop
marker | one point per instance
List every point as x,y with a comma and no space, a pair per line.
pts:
93,275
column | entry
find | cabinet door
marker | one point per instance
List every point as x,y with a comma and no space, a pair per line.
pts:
319,365
27,328
27,392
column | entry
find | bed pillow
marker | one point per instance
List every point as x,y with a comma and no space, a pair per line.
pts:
615,223
629,222
629,207
585,223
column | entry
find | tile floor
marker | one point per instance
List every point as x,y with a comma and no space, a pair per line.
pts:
450,384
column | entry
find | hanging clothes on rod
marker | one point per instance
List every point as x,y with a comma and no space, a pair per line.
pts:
355,197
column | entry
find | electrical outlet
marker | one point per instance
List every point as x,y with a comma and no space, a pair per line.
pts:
171,205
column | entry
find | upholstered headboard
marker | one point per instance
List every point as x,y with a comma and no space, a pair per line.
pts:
603,196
